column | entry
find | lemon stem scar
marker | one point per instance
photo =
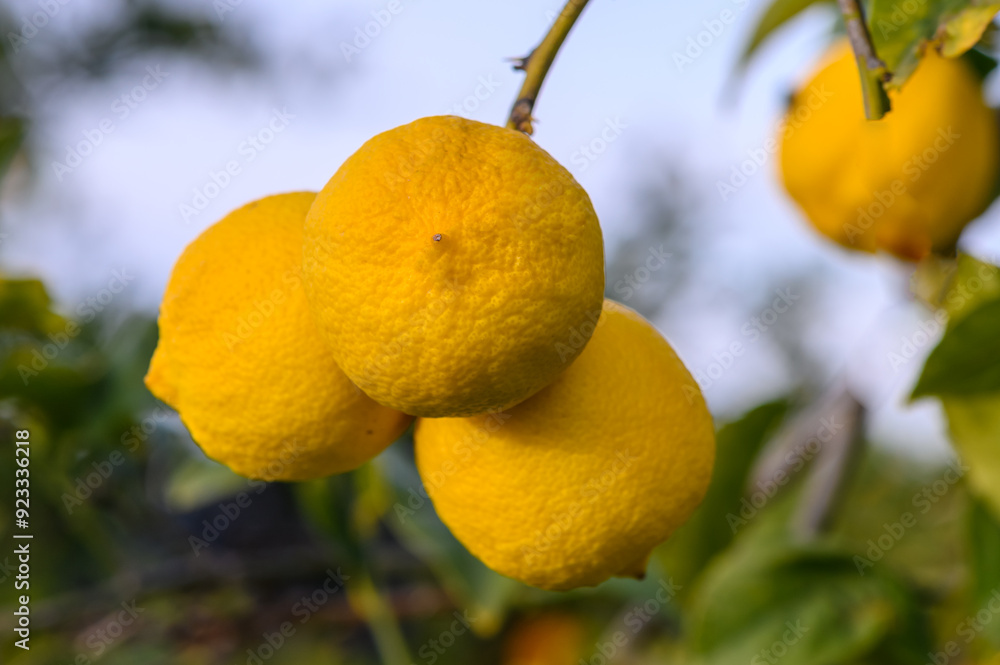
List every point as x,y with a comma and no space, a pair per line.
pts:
437,237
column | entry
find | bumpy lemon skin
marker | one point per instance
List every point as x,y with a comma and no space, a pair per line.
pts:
908,183
446,260
239,356
581,481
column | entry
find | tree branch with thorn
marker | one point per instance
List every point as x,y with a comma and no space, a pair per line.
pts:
536,65
872,69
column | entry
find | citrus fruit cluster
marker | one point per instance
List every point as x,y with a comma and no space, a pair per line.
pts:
451,271
906,184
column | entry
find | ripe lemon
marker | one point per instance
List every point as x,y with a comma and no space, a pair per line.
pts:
452,265
907,183
579,482
241,360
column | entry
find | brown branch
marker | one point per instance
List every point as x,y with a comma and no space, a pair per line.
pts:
536,65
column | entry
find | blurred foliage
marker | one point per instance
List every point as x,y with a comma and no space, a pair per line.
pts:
901,32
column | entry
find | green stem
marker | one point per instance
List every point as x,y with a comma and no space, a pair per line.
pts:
380,617
872,69
536,66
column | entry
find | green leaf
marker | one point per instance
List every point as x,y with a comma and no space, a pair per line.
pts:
708,531
975,283
902,31
11,136
25,305
967,360
975,431
802,604
776,15
963,30
984,553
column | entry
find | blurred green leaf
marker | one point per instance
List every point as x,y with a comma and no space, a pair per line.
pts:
974,423
964,29
327,504
974,283
967,360
709,530
776,15
11,136
984,555
902,31
198,482
802,604
25,305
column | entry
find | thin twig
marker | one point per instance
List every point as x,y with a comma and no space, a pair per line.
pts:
381,618
872,69
831,475
536,65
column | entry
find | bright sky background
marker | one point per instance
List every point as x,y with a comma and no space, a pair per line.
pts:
120,208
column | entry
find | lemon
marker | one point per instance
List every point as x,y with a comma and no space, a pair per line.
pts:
906,184
581,481
241,360
452,265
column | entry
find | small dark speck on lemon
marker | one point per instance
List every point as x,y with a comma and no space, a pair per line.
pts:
437,237
369,432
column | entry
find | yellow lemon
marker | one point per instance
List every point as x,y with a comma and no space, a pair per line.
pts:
579,482
453,266
241,360
908,183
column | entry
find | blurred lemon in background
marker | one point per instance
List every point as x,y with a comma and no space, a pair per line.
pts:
908,183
